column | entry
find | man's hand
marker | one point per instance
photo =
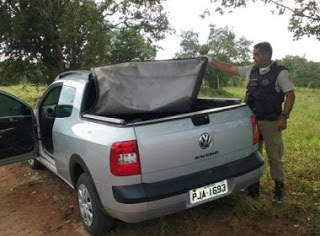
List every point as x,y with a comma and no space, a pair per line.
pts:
282,123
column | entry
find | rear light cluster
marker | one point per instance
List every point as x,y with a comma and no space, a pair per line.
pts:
255,129
124,158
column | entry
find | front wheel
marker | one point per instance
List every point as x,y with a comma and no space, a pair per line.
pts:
94,219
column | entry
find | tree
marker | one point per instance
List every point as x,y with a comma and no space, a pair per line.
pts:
75,34
223,44
127,44
220,42
304,73
305,18
20,71
189,45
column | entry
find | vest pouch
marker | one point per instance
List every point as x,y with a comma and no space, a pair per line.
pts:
250,101
264,108
251,89
276,102
267,108
253,83
247,98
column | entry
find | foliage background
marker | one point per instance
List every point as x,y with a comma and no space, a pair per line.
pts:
42,38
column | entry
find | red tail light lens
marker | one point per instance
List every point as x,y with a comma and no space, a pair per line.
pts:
255,129
124,158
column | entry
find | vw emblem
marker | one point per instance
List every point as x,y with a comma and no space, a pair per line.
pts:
205,140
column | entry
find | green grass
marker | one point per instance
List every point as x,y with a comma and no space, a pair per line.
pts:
302,162
27,93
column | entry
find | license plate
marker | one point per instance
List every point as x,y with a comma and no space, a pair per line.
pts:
209,191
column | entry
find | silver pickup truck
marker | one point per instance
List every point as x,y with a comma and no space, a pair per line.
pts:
134,140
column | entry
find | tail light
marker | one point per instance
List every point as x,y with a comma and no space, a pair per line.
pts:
124,158
255,129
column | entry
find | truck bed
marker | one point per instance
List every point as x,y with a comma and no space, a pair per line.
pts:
202,105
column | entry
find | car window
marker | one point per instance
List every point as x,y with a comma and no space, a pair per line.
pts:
11,107
66,100
53,97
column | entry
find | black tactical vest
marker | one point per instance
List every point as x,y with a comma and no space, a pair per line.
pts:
261,96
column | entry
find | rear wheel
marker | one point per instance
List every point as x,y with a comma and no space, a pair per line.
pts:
94,219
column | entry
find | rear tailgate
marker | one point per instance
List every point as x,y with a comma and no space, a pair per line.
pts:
171,148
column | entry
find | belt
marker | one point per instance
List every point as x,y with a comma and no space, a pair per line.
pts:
272,117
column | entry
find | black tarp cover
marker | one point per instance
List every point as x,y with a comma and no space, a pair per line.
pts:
148,87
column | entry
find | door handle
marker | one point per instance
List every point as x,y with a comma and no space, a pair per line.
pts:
3,131
199,120
14,119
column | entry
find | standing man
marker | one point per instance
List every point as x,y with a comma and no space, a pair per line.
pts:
267,85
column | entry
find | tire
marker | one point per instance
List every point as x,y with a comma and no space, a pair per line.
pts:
35,164
93,217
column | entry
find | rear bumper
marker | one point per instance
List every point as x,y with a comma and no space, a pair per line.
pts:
147,192
134,213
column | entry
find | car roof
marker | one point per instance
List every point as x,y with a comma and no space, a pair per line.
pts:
73,75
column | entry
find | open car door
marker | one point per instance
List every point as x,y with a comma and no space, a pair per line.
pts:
17,130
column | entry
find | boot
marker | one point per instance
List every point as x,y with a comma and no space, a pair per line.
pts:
254,190
278,193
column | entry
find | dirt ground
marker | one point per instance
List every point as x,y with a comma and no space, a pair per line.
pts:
36,202
39,203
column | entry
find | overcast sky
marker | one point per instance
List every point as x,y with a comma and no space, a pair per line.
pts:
255,23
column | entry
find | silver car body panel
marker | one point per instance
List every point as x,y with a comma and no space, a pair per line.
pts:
170,149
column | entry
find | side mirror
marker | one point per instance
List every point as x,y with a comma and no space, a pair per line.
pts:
51,112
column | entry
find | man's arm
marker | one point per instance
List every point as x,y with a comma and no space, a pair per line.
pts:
224,67
288,104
